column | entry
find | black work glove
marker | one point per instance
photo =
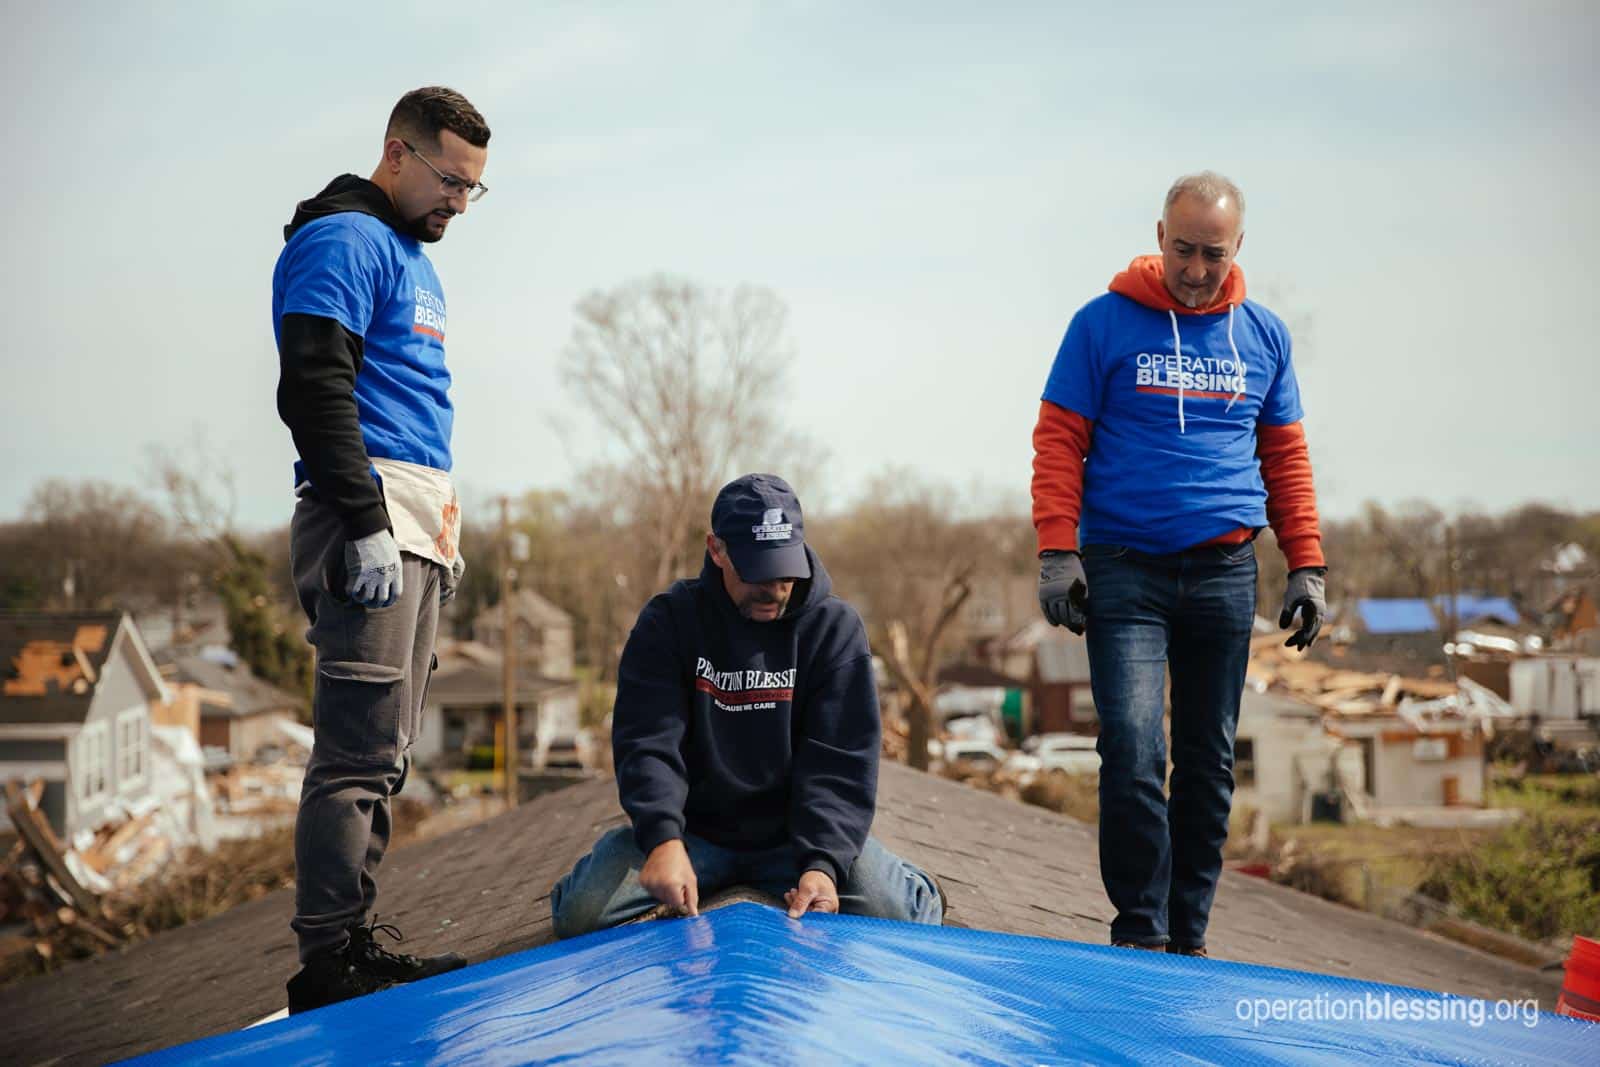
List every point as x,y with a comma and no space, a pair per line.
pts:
1063,590
1306,594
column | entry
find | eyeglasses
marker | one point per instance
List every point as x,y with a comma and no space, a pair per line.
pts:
452,185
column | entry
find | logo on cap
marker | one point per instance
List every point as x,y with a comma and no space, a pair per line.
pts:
772,527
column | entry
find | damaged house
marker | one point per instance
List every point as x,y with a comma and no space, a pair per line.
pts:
76,691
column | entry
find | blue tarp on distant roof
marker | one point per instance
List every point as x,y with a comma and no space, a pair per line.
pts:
1470,607
1396,616
747,985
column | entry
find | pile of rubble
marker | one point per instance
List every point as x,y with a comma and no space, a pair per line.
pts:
1355,694
45,905
67,900
1344,692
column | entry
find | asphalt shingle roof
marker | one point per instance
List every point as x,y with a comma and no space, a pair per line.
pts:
250,694
484,891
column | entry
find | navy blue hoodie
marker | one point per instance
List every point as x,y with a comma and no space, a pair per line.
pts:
749,734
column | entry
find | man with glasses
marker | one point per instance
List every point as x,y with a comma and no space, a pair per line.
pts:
359,317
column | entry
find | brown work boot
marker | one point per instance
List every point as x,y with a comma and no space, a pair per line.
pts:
1135,944
1188,950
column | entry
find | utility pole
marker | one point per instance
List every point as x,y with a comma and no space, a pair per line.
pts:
1452,613
508,654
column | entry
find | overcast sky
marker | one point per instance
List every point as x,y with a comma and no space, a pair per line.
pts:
933,189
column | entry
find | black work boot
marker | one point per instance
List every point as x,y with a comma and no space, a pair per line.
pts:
367,957
328,978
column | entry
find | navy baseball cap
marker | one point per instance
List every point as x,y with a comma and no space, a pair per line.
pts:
758,518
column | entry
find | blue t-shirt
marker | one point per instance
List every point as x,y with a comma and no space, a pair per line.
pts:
1150,484
379,285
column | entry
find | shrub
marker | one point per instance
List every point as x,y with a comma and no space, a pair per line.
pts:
1538,878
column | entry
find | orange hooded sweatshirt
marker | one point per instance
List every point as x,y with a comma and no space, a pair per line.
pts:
1061,441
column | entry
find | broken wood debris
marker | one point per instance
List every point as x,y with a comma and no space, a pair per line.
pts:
39,891
1338,690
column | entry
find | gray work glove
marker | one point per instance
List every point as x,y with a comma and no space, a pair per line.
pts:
372,570
1306,594
450,580
1063,590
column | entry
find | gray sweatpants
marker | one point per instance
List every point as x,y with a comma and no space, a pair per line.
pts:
372,674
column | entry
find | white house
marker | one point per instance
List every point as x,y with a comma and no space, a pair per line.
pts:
1556,686
465,701
1282,756
76,691
1405,763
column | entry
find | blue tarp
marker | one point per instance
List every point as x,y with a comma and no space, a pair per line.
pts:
1380,616
1470,607
747,985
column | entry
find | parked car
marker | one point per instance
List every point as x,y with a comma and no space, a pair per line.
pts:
1072,753
984,755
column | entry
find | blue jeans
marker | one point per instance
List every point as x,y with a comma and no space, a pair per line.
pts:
603,889
1191,611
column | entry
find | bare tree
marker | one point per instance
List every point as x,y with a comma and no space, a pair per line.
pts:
90,545
201,490
261,626
688,383
905,555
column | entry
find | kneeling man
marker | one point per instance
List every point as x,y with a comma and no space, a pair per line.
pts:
745,737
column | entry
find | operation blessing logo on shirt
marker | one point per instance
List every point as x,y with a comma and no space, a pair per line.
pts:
429,314
1204,377
744,690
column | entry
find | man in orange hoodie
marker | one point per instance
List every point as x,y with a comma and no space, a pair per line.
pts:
1169,434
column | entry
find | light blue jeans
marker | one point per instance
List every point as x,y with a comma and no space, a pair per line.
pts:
603,889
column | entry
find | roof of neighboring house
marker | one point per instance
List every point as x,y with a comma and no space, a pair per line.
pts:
1276,704
529,606
484,891
50,663
1396,616
1063,657
484,685
1471,608
248,695
202,623
454,653
976,674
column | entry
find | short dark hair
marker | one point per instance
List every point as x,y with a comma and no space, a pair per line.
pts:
422,114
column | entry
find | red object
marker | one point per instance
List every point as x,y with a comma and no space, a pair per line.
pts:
1145,281
1580,993
1060,441
1291,498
